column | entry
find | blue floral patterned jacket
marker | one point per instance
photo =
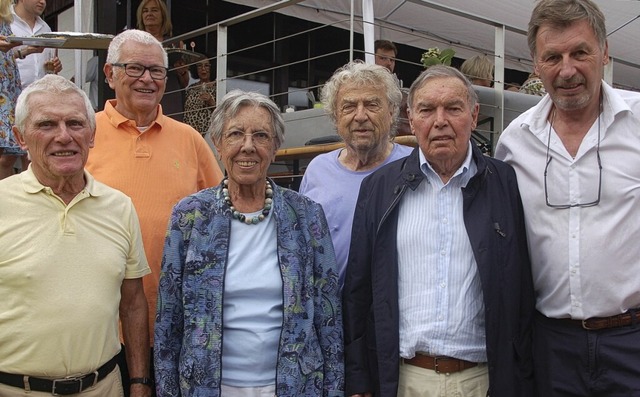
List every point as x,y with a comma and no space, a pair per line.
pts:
188,330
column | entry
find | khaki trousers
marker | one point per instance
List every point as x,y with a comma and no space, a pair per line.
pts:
420,382
110,386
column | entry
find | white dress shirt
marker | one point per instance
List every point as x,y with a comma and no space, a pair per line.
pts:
440,294
32,66
585,260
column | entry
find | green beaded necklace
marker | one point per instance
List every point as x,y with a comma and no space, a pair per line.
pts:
268,201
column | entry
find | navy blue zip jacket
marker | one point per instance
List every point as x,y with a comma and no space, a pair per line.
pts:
494,221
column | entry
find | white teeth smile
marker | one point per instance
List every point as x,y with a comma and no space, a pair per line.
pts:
144,91
246,163
63,154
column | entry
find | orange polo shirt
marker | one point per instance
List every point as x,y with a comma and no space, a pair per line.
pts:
156,168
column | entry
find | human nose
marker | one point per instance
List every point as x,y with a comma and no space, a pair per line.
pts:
247,142
63,135
567,67
440,118
361,113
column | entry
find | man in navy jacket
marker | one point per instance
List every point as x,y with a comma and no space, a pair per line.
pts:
438,292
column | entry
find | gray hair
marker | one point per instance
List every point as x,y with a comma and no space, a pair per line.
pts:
442,71
562,13
137,36
362,74
50,83
235,100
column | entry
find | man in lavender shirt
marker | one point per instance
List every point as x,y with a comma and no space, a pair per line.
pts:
364,102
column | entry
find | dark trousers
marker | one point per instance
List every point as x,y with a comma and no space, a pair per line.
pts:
570,361
124,371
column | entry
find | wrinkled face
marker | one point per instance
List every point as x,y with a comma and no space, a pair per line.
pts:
57,135
247,145
570,64
136,94
34,7
363,116
386,58
204,70
151,14
442,120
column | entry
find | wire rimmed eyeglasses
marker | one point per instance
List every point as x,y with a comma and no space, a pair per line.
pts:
259,138
546,170
137,70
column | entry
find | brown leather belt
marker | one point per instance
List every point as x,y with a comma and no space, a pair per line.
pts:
597,323
440,364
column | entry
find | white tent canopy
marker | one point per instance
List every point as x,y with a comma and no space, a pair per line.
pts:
469,26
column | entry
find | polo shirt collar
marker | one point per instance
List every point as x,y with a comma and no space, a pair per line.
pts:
117,119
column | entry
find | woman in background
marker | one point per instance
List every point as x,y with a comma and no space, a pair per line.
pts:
248,303
201,98
153,17
10,89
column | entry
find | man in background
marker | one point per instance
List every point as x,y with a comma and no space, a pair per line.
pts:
27,23
385,53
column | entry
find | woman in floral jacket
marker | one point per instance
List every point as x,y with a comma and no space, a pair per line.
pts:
248,301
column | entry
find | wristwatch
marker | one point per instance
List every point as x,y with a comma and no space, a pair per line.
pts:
143,381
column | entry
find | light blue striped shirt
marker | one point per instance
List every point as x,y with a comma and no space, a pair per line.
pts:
440,294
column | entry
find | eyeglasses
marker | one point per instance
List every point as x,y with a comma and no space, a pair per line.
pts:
136,70
546,169
259,138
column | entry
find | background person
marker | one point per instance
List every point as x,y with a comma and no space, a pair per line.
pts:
251,266
479,70
152,158
363,101
577,157
385,54
201,98
72,260
153,17
438,297
27,22
10,88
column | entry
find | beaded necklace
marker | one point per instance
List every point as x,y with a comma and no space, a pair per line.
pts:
268,201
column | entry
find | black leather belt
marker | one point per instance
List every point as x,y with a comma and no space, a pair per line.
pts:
63,386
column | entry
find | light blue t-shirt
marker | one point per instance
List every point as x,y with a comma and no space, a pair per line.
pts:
252,310
335,187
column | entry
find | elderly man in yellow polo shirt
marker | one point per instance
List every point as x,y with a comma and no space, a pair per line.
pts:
71,260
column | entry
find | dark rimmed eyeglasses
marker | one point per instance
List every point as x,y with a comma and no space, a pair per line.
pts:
546,169
136,70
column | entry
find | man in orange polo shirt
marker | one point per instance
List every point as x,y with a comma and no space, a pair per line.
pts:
152,158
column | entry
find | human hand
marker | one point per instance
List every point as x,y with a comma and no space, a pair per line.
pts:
57,65
206,98
5,45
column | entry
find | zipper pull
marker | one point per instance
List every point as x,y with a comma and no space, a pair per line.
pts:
496,226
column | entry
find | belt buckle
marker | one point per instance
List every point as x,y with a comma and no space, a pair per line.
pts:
585,325
435,364
64,380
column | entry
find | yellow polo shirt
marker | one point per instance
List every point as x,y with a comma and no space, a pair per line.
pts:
61,270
